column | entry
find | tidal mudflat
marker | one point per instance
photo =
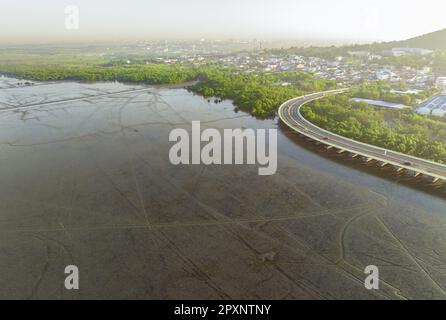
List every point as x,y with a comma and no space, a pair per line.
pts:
85,180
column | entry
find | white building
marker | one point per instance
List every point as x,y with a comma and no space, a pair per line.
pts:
385,74
435,106
439,112
441,83
362,54
425,70
425,111
398,52
418,51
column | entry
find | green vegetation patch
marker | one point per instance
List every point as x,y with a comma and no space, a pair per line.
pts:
259,94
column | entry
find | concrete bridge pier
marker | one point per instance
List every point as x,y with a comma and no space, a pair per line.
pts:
415,174
398,170
382,164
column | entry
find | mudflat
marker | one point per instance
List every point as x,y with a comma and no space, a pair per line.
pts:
88,182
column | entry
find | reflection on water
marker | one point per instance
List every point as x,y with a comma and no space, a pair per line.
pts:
89,182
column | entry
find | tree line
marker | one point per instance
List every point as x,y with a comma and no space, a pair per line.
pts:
149,74
259,94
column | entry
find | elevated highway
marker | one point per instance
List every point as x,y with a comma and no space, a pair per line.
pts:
290,114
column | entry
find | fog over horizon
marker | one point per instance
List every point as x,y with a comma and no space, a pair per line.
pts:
346,21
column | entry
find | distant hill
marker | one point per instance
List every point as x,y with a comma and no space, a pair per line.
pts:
434,41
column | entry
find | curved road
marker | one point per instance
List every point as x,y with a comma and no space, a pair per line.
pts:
290,114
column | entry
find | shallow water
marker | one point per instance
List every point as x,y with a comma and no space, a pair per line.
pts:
88,182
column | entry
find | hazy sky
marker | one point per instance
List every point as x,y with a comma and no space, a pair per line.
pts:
355,20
